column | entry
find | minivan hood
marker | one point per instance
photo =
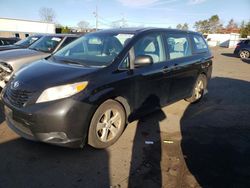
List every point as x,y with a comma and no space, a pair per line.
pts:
45,73
10,55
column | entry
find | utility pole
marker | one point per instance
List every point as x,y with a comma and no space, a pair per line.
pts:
96,18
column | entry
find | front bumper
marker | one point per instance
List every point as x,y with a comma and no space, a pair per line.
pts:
64,122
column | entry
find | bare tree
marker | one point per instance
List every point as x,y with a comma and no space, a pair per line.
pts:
232,24
116,24
119,23
182,27
83,25
179,26
185,26
47,14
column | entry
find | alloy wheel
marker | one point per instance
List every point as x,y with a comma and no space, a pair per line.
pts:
108,125
199,89
244,54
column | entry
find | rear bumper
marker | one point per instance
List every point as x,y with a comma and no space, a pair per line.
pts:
63,123
236,51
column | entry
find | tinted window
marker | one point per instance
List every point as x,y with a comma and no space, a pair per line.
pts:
6,42
67,41
247,42
151,45
178,46
199,44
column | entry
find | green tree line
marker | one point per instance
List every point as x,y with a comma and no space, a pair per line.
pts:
214,25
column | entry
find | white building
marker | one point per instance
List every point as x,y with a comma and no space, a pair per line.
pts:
23,28
224,40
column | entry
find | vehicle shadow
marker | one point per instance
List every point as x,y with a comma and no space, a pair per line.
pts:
146,172
246,60
2,116
32,164
216,135
229,55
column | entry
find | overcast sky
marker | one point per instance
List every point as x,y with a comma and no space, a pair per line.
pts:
158,13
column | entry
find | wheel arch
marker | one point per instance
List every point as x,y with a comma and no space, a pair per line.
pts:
108,94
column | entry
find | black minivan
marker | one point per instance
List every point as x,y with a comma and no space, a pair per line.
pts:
89,90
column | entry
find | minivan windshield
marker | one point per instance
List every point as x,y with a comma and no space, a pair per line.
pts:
27,41
95,49
46,44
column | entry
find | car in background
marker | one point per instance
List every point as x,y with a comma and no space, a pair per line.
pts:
8,41
13,60
242,49
88,91
25,43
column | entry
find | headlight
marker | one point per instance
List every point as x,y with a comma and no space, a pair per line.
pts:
60,92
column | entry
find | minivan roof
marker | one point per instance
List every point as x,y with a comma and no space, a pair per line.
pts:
137,30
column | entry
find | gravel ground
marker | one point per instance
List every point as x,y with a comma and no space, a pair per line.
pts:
201,145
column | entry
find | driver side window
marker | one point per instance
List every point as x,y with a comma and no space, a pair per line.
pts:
151,45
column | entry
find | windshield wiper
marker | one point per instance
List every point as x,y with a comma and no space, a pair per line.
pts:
39,50
34,49
70,61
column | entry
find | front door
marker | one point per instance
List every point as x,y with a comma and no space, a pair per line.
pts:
151,81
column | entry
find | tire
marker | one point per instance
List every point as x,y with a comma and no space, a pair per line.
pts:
199,89
107,124
244,54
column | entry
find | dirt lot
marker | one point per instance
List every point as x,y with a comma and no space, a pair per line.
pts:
201,145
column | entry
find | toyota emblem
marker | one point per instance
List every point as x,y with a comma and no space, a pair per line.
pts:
16,84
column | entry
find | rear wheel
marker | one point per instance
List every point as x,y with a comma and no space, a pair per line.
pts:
244,54
106,125
199,89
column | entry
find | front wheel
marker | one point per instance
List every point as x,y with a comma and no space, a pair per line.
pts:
106,125
199,89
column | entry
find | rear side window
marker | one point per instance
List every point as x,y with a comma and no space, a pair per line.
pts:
178,46
199,44
247,42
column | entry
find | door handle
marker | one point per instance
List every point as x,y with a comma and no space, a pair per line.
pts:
166,69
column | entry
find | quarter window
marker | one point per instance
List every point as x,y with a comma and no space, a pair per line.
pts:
199,44
178,46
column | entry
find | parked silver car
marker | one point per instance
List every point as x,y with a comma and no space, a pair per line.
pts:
13,60
25,43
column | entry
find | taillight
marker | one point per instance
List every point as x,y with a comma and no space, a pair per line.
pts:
237,46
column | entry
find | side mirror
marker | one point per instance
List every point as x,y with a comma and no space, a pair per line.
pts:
143,60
